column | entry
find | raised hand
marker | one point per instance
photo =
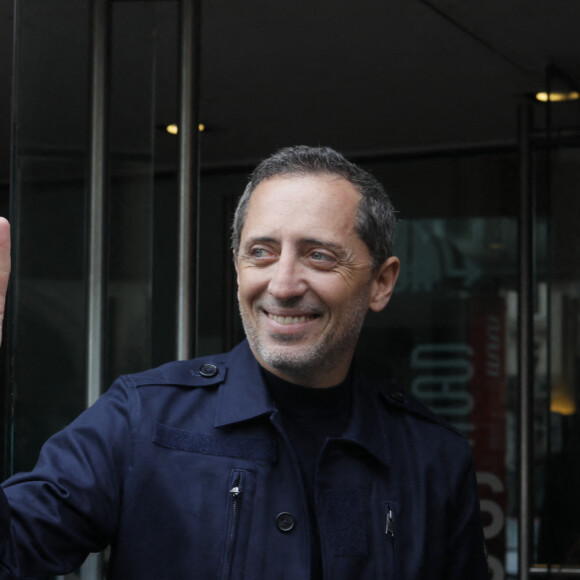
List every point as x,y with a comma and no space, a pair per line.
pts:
4,266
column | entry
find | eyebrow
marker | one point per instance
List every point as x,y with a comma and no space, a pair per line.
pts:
258,240
323,243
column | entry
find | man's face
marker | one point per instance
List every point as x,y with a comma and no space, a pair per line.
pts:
304,277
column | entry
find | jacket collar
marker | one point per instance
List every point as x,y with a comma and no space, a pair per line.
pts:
244,396
366,427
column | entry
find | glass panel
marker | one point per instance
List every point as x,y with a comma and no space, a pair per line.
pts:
130,231
49,221
449,333
557,334
50,205
50,196
143,188
218,324
558,421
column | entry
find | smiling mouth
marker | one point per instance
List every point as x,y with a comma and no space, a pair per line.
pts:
290,319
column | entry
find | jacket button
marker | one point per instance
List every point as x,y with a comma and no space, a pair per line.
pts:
397,396
285,522
208,370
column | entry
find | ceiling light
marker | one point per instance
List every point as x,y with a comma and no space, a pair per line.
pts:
556,96
173,129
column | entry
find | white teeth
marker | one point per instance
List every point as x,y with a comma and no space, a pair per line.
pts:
288,319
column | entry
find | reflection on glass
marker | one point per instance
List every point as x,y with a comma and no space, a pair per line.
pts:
557,427
49,221
449,337
50,199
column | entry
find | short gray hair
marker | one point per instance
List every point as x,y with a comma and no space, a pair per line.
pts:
375,219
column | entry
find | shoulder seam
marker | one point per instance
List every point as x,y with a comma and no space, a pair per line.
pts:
405,402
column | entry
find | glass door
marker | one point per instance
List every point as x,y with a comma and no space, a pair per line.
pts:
556,465
555,468
53,192
90,141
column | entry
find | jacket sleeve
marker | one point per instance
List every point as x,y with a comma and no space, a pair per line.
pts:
467,556
52,517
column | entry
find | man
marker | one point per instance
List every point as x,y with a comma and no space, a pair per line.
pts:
277,460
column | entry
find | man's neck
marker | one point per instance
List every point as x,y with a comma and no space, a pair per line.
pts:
319,378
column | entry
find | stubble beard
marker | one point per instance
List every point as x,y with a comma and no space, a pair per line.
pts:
309,360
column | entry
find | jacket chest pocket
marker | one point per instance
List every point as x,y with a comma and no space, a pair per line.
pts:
360,536
239,508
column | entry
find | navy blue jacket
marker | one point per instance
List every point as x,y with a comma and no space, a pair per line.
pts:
186,471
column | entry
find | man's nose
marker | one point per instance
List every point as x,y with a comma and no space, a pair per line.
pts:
287,279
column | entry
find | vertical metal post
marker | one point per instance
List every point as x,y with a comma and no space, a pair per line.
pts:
96,245
91,569
525,341
188,179
549,351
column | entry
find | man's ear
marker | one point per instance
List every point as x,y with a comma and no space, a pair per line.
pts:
383,284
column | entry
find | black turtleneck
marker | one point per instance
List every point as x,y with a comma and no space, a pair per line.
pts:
310,416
